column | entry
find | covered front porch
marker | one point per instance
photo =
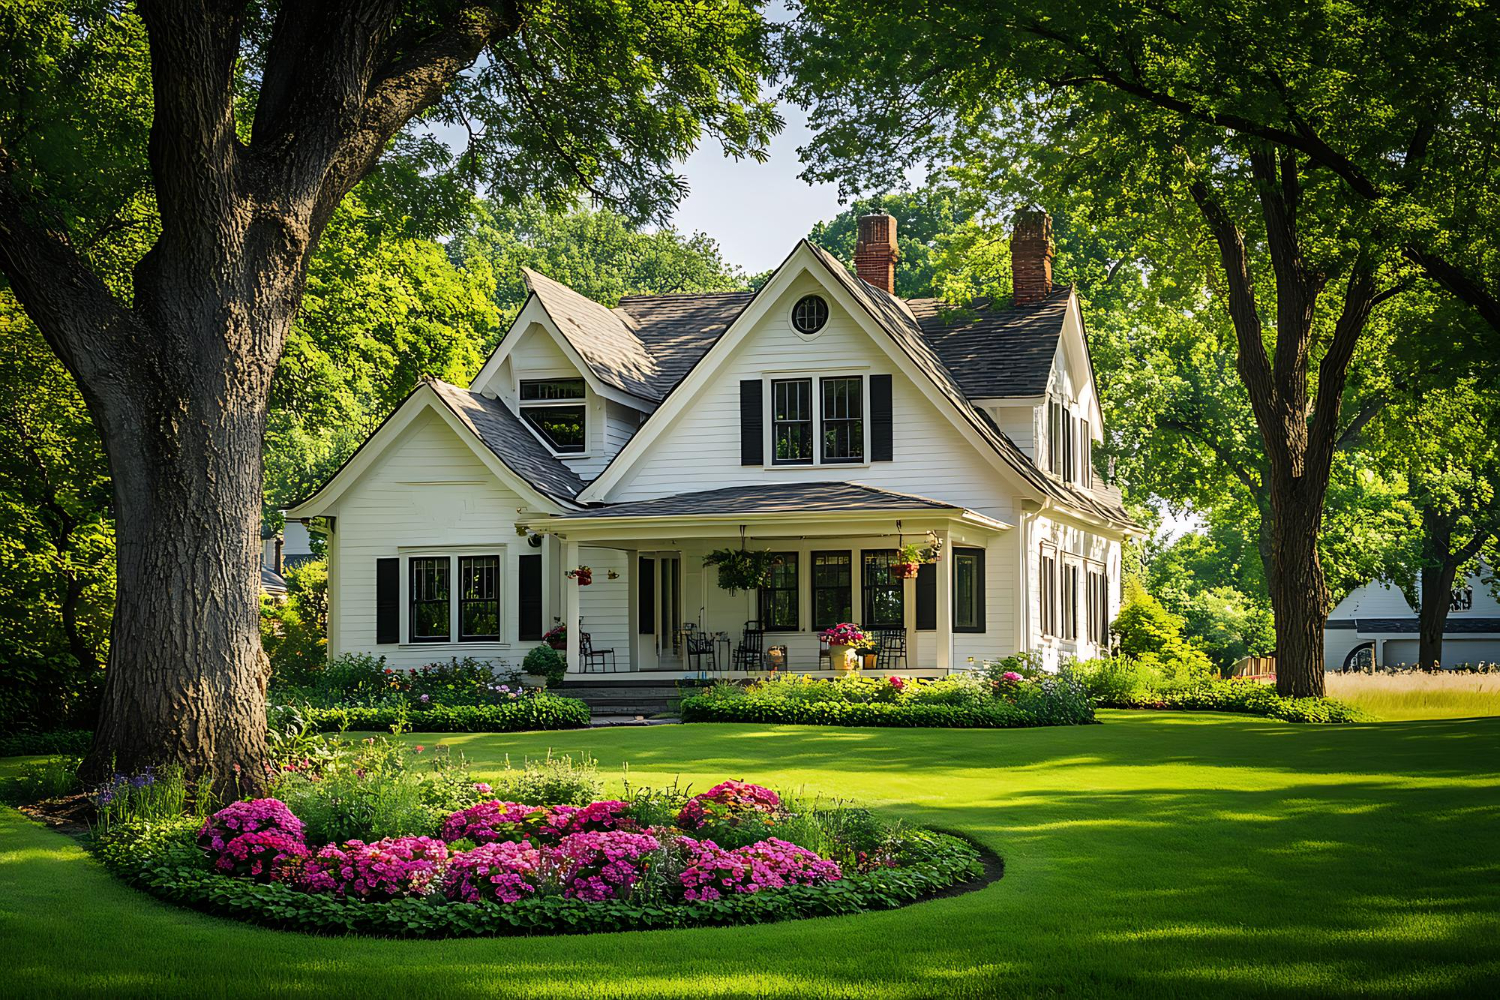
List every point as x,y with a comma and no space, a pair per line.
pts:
653,608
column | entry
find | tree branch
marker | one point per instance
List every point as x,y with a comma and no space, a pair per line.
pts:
1250,480
1460,284
1359,300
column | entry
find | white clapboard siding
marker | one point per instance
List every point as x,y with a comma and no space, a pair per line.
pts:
700,450
428,490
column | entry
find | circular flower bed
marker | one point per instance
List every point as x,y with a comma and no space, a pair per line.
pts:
729,855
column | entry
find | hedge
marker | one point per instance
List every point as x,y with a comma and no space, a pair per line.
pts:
540,711
164,862
994,714
73,741
1248,697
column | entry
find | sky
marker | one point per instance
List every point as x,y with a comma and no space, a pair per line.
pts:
756,211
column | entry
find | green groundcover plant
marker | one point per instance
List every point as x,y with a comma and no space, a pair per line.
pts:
531,710
1131,682
998,697
454,857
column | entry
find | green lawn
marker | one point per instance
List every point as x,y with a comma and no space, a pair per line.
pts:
1158,854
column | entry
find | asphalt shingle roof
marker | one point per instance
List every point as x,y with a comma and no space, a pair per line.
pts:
679,329
994,353
767,498
1409,626
500,430
604,338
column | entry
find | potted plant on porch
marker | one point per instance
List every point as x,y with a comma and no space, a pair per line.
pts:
582,574
867,650
557,638
911,557
842,640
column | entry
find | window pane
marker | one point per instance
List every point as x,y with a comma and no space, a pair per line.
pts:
559,388
479,597
561,426
778,599
884,595
965,606
429,599
843,420
791,420
832,588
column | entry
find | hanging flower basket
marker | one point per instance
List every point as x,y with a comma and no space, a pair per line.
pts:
912,557
741,569
583,575
557,638
906,570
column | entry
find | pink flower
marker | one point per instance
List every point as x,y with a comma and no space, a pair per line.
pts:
419,748
387,869
1012,676
728,802
482,788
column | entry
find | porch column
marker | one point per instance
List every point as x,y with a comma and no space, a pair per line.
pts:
632,609
570,605
944,569
909,622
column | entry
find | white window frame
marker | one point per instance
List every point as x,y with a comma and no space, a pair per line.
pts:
768,409
453,553
1098,637
587,402
1047,590
1067,599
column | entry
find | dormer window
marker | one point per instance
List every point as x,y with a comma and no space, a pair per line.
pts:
555,408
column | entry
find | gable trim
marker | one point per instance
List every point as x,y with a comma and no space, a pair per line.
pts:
420,400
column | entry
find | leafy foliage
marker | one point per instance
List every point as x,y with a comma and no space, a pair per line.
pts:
1127,682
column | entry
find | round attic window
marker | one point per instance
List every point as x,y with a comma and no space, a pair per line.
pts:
809,314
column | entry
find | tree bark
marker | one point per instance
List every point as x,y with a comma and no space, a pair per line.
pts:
1300,431
178,382
1432,617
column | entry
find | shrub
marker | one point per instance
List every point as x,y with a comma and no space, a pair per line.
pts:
960,701
497,873
1148,631
730,804
535,710
553,780
46,779
377,788
293,632
544,661
388,869
1125,682
65,741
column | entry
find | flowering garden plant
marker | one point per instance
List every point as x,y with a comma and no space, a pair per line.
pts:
501,866
842,634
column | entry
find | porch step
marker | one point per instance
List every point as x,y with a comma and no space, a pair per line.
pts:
625,696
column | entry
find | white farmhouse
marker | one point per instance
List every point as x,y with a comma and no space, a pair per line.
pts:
821,418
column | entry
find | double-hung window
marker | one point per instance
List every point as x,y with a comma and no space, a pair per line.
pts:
778,598
792,421
557,410
478,598
1085,455
1057,434
1047,587
429,613
883,593
832,588
968,590
1098,608
843,420
1070,575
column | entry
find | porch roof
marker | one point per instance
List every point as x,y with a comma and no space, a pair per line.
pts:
814,501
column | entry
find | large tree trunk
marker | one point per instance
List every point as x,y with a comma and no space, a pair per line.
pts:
1299,592
1432,617
187,678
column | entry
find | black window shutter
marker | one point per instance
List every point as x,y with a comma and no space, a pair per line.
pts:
752,446
529,597
645,604
387,601
927,598
882,448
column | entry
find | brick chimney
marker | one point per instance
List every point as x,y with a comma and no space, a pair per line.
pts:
875,254
1031,256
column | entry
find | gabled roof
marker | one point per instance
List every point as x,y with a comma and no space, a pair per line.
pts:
605,338
679,329
503,433
767,498
994,353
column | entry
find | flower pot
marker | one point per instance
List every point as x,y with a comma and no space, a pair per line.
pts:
842,657
584,579
906,571
869,661
561,645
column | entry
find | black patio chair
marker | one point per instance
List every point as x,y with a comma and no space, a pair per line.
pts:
750,654
594,660
892,652
697,645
